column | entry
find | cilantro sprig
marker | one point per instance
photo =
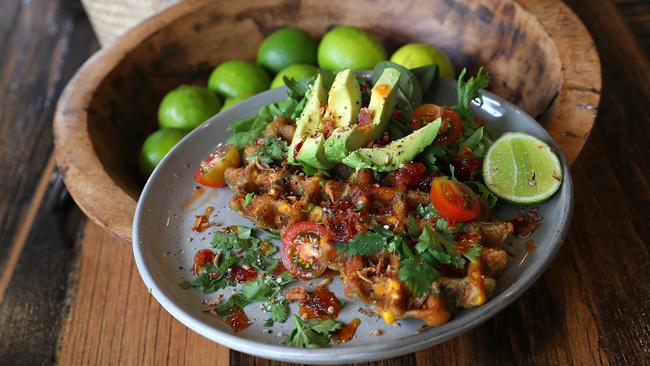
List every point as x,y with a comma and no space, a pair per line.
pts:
270,150
311,333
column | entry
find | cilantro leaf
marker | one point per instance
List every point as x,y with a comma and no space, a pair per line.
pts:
279,313
365,243
248,198
418,274
427,211
272,149
311,333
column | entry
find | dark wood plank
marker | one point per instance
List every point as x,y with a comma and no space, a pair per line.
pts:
637,17
42,43
34,302
113,320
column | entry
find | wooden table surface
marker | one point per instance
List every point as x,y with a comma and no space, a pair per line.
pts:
71,294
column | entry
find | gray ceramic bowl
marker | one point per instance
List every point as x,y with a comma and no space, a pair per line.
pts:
163,245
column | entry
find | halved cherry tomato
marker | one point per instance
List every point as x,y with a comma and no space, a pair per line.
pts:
454,201
450,128
210,171
302,249
201,258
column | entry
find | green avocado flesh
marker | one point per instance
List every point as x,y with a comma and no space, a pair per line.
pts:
344,99
343,103
346,139
309,121
393,155
312,153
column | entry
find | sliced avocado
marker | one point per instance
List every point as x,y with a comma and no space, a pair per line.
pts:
346,139
312,153
393,155
344,99
309,121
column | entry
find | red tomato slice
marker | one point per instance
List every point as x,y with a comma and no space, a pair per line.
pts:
451,126
302,249
211,170
454,201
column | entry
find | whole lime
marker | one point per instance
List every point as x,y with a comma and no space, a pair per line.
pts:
156,146
298,71
349,48
287,46
187,107
237,77
414,55
229,102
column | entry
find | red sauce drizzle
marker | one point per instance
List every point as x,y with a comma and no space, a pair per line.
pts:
322,304
346,333
241,274
201,258
237,319
202,222
191,199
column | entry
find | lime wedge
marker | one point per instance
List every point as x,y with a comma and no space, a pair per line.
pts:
522,169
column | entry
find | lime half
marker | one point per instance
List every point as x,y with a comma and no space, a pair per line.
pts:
522,169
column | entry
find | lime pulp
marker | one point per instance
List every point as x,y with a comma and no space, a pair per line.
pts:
522,169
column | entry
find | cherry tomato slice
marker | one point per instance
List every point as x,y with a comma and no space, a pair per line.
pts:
451,126
454,201
211,170
302,249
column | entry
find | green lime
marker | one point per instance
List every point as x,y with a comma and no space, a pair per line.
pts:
187,107
287,46
349,48
522,169
298,71
414,55
229,102
236,78
156,146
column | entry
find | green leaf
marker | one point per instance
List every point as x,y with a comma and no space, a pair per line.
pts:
311,333
365,243
417,274
248,199
279,313
469,91
412,227
272,149
427,212
479,188
427,76
474,139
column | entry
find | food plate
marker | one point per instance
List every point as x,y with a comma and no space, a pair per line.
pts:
164,247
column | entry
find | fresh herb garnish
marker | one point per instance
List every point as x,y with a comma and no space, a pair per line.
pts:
469,91
271,149
248,198
418,274
311,333
480,188
212,277
366,243
427,211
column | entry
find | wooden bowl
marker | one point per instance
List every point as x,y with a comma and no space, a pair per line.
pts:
539,54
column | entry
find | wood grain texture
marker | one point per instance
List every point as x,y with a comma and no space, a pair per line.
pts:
36,59
115,321
110,105
591,306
